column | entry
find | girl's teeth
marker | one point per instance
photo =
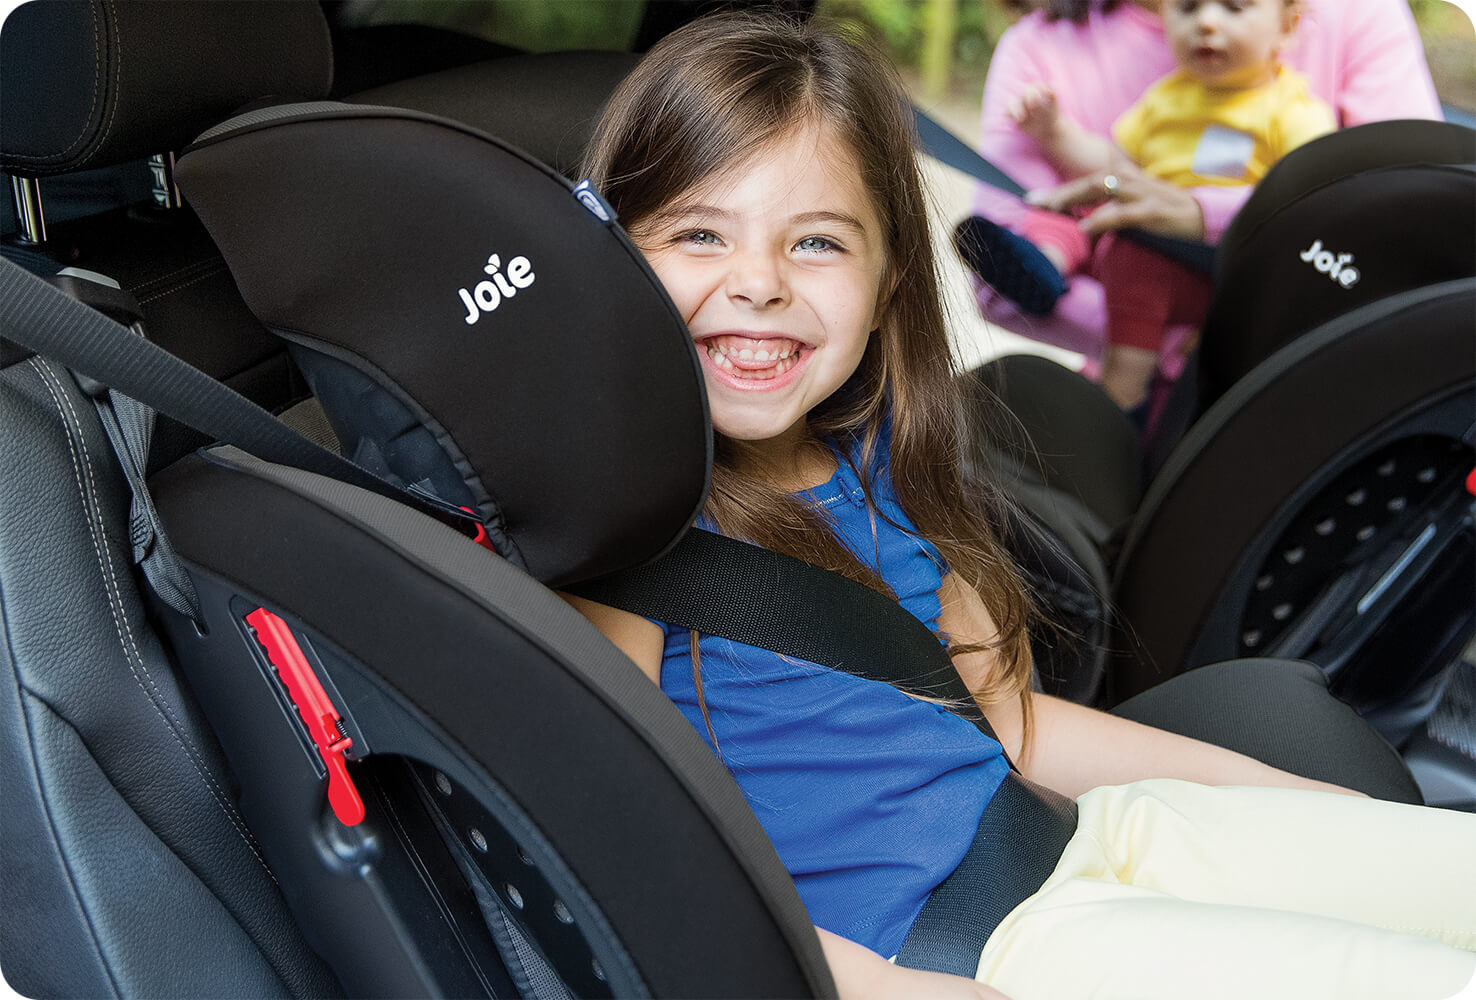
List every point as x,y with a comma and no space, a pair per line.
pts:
782,359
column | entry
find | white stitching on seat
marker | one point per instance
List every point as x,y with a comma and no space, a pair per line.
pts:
88,495
96,76
193,281
117,76
146,287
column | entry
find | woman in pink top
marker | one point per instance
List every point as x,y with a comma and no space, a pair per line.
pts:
1362,57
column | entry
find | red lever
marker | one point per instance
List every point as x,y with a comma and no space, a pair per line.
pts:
481,537
317,711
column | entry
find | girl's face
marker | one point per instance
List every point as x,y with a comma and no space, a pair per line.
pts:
1229,43
777,267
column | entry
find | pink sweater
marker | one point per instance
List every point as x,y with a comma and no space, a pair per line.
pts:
1363,57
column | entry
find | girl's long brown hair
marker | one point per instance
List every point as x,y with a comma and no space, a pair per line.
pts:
705,100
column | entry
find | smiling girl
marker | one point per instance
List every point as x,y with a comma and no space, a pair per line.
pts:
765,169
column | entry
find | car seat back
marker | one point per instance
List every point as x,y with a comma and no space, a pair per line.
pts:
1320,510
127,859
526,365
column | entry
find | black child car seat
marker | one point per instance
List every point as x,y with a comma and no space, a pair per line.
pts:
1318,506
538,818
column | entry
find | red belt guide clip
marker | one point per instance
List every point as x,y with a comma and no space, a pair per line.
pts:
317,711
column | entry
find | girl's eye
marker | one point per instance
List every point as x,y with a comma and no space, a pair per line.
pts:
702,236
816,244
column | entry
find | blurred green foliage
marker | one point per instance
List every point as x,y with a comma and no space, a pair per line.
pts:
902,26
523,24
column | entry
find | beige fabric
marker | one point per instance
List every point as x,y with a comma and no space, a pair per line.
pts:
1171,889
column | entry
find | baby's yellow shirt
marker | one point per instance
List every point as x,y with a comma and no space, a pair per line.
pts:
1191,135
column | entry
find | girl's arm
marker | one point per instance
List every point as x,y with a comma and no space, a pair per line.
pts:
862,974
1074,748
859,972
640,639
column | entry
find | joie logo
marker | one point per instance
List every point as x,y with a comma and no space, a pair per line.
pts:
1334,266
488,295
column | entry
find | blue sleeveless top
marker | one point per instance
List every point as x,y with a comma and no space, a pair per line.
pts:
871,797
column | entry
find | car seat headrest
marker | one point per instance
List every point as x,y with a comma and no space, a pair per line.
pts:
1345,153
89,83
1350,218
472,326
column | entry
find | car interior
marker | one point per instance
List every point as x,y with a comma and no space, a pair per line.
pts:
320,374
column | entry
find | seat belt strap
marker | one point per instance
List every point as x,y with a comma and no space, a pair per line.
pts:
948,149
41,318
721,586
129,426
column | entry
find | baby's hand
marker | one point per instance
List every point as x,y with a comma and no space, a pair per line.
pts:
1035,111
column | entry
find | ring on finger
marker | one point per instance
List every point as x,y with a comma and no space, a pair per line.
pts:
1111,185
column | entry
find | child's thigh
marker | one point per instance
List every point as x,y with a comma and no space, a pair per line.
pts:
1087,937
1404,868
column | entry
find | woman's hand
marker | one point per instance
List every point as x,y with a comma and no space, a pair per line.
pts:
862,974
1128,200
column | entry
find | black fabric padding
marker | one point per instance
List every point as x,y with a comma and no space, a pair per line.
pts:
544,103
577,404
1413,228
1341,154
89,84
1079,443
1226,480
1279,712
527,691
372,55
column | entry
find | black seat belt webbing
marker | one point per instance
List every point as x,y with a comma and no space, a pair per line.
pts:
724,587
41,318
948,149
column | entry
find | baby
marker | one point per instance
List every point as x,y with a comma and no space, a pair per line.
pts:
1225,116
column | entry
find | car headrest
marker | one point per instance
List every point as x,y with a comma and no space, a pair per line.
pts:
545,103
474,327
91,83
